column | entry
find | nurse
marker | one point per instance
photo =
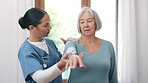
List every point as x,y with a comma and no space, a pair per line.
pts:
40,60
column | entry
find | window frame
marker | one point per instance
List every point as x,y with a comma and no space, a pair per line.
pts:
41,3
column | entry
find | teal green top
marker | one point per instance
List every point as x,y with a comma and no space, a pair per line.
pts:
101,66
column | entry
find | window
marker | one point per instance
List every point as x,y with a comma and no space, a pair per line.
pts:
64,13
63,17
39,4
106,9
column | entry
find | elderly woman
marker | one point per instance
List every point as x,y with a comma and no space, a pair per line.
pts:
98,54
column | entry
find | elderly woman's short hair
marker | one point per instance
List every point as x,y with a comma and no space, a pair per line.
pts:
94,14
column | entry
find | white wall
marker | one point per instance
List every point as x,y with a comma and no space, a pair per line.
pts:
12,36
142,38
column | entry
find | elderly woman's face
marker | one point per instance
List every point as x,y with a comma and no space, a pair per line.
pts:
87,24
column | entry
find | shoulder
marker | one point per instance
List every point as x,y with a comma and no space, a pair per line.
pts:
106,42
107,45
26,46
25,50
71,43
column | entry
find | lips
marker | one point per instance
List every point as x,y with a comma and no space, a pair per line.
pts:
48,32
87,30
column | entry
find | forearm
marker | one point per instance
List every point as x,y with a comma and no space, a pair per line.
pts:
71,49
47,75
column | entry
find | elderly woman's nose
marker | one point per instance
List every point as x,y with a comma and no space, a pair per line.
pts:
85,23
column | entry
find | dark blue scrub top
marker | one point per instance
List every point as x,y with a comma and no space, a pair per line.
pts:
32,58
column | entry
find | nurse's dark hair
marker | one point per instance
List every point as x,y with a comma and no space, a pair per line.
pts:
31,17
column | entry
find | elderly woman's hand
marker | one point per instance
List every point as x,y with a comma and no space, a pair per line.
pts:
74,61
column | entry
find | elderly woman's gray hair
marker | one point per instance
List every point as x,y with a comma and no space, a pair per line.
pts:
94,14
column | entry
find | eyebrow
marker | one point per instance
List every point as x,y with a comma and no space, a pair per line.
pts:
44,22
86,19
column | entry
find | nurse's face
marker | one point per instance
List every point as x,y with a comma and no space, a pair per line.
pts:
43,29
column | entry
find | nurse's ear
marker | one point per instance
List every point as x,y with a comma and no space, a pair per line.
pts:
31,27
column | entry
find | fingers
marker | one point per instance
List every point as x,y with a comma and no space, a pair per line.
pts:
80,61
64,41
74,61
64,61
67,65
81,55
72,39
65,56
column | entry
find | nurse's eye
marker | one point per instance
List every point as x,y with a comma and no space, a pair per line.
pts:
46,25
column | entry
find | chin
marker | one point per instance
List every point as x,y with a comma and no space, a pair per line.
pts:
46,36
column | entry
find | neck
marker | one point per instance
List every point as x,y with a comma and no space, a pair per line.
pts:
35,39
91,44
88,39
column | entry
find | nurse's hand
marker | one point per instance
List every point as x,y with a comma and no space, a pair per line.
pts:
63,61
75,61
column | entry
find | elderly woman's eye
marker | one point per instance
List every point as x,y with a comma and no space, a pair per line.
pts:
81,22
90,20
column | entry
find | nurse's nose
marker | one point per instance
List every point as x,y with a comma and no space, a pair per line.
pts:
49,27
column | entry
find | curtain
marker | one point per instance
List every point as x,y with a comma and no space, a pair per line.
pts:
21,7
127,45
